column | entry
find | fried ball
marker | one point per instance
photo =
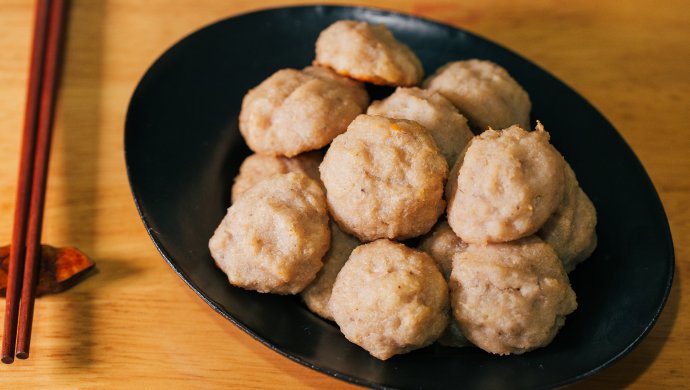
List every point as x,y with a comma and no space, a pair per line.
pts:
384,179
571,229
274,237
390,299
318,293
506,186
367,52
483,92
442,244
442,120
296,111
257,167
512,297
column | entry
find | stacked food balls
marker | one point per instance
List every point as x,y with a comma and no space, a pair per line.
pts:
394,219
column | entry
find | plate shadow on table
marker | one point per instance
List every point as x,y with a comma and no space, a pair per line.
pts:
264,353
624,373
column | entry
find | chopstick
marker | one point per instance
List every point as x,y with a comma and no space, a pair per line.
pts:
45,127
25,250
17,249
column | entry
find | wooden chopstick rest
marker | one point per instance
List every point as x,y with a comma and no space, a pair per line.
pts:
60,269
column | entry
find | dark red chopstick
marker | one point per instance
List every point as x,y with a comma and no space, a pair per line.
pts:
43,140
25,247
17,248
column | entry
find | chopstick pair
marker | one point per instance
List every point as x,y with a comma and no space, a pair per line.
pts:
25,249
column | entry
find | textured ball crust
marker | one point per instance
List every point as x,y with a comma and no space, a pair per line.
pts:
296,111
439,117
510,298
367,52
441,243
384,179
571,228
274,237
505,187
318,293
257,167
484,92
390,299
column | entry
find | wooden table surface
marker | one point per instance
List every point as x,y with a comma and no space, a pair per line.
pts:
134,322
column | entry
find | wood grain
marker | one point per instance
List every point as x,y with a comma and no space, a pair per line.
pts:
135,322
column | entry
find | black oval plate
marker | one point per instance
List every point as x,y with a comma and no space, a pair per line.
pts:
183,149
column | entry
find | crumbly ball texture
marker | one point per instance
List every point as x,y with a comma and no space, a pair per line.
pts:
442,120
390,299
441,243
296,111
318,293
274,237
384,179
368,52
257,167
571,229
507,184
484,92
510,298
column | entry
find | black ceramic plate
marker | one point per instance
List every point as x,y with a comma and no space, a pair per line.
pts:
183,149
